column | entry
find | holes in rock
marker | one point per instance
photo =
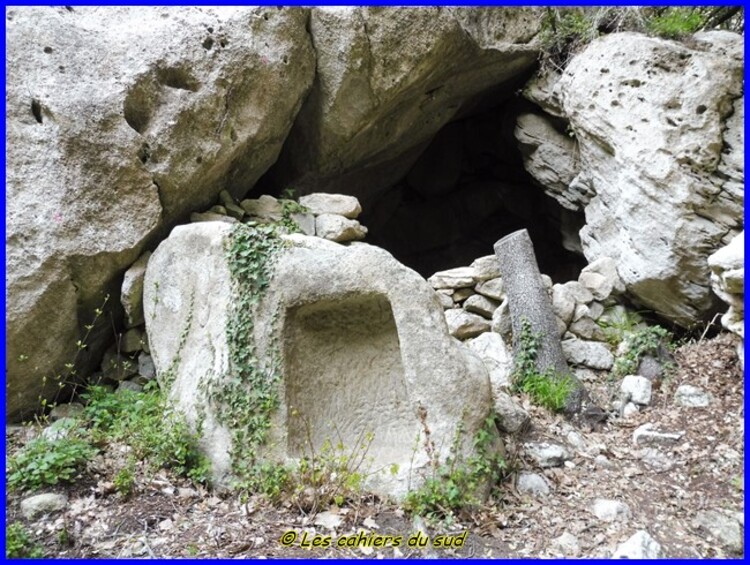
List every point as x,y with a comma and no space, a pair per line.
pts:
700,109
138,106
232,134
144,153
48,50
285,60
327,342
223,42
176,77
199,159
208,43
36,110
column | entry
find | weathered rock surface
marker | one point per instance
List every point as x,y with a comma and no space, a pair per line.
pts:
512,418
532,483
37,506
387,81
131,295
320,203
691,396
728,282
547,454
638,546
120,121
496,356
637,389
481,305
550,156
588,353
463,324
723,528
353,355
657,128
338,228
610,510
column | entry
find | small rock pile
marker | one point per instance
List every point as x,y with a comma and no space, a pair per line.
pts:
475,303
330,216
728,282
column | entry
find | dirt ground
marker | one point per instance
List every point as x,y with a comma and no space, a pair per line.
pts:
664,488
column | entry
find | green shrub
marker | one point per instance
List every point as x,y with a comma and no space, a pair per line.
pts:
675,22
456,484
19,544
146,422
125,479
42,462
546,389
636,345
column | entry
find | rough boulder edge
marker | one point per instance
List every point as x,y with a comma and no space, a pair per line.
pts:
363,346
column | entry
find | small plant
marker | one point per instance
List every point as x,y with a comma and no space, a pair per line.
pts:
564,32
618,323
675,22
42,462
246,396
146,423
455,484
546,388
125,479
636,345
19,544
335,473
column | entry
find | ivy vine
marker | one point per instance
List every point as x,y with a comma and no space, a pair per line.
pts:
247,395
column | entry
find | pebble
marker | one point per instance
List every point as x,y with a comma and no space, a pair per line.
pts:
566,545
610,510
532,483
629,410
637,389
547,454
602,462
639,546
38,505
646,435
690,396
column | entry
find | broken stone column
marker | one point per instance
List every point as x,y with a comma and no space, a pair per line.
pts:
528,299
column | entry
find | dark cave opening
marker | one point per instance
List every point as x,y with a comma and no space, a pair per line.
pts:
467,190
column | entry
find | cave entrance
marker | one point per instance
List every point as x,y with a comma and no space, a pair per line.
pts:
467,190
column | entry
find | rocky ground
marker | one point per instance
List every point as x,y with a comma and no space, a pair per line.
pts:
684,490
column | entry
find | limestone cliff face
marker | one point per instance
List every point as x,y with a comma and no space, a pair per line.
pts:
120,122
658,161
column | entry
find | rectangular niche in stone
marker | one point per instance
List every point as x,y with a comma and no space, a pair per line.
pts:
345,379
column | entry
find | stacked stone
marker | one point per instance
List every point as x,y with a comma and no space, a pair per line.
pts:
728,282
470,296
474,303
329,216
128,361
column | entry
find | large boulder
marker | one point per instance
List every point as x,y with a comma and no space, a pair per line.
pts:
350,341
115,129
728,282
659,130
388,80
